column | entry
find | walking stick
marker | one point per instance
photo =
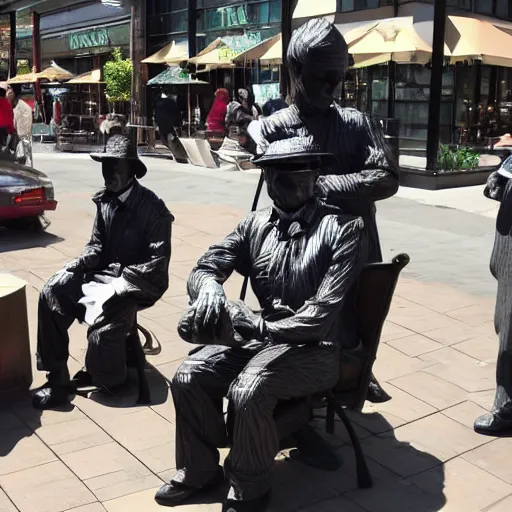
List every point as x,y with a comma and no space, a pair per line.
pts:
243,292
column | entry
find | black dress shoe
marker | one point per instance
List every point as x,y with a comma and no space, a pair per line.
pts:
51,396
375,394
494,425
257,505
174,493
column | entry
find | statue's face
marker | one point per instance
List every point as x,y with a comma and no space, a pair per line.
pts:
318,85
117,174
291,190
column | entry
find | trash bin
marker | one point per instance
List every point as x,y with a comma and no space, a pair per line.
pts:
391,129
15,360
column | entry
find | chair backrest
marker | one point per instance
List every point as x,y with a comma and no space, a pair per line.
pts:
376,287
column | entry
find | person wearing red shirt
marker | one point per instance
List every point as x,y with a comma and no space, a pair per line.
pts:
6,117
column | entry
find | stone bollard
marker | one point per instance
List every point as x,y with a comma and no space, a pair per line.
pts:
15,360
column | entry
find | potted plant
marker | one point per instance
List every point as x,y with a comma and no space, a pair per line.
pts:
117,74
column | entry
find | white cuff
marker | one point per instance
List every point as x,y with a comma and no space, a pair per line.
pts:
120,285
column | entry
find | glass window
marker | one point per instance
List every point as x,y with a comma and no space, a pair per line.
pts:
483,6
503,9
359,5
461,4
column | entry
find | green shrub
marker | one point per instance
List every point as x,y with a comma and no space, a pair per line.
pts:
457,159
118,77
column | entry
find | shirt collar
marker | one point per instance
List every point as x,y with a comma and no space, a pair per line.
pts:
305,215
127,198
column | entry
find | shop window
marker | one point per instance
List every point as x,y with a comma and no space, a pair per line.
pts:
483,6
359,5
460,4
238,15
503,9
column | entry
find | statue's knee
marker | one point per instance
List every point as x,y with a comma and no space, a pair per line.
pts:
247,393
186,379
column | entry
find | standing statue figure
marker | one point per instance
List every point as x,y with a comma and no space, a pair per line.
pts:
123,268
366,172
499,421
302,257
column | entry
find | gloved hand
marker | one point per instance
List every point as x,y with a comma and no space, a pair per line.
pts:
246,323
95,296
210,307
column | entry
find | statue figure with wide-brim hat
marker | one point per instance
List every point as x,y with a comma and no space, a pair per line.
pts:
302,257
123,269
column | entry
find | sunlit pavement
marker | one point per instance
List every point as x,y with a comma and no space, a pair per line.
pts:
437,360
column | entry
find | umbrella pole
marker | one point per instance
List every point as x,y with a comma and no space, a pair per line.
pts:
245,284
189,112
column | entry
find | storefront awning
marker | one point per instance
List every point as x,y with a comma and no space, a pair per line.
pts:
475,39
171,53
91,77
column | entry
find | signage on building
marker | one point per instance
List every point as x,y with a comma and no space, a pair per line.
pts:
89,39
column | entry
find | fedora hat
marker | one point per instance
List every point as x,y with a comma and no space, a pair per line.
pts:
294,151
119,147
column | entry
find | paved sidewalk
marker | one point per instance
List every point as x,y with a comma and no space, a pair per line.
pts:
437,360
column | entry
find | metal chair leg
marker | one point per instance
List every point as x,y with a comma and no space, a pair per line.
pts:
329,419
140,362
364,478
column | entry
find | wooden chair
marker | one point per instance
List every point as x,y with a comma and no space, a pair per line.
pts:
376,287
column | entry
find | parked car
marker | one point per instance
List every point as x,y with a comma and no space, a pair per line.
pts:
25,194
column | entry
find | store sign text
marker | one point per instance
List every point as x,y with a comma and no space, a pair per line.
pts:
89,39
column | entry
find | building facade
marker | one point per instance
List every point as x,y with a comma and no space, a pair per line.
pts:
475,98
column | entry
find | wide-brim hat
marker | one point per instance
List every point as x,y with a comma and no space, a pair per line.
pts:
119,147
294,150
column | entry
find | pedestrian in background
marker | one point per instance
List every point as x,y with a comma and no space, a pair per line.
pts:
6,117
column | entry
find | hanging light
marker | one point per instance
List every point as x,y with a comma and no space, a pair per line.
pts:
112,3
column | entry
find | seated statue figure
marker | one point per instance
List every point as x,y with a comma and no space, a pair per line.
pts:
123,268
302,257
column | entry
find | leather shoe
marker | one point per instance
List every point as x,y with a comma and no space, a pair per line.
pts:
51,396
174,493
494,425
375,394
257,505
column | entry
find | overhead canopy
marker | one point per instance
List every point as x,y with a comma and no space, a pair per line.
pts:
91,77
471,38
174,75
272,47
169,54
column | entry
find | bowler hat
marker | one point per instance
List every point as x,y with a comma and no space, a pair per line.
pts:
120,147
294,150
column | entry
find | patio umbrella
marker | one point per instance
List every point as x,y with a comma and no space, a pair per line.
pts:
388,40
174,75
91,77
272,45
54,73
27,78
475,39
216,55
171,53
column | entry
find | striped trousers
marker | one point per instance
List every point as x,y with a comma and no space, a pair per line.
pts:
254,381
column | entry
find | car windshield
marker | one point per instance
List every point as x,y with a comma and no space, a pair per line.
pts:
7,180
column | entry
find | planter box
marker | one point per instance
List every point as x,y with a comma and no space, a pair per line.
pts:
429,180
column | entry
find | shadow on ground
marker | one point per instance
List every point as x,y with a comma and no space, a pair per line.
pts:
128,396
17,240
